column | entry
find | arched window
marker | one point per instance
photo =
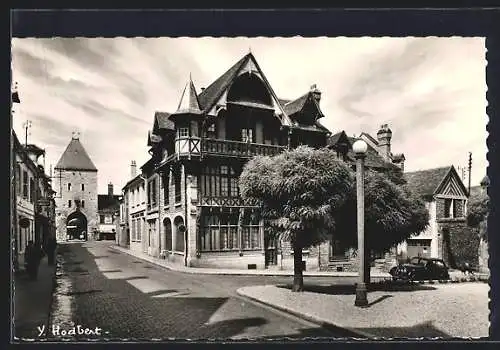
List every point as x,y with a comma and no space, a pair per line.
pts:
180,230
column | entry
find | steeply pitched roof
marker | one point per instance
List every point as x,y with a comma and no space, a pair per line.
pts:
107,202
340,136
426,182
189,100
209,96
296,105
373,158
75,158
162,121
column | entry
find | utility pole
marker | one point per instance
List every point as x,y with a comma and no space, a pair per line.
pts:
470,168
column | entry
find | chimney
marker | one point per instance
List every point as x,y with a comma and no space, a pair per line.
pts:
316,93
110,189
202,89
133,169
384,136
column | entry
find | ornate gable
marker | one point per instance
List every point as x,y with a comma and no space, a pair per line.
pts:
451,185
249,65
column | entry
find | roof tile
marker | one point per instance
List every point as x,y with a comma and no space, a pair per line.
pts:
75,158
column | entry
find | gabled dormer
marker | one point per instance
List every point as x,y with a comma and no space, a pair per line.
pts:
340,143
305,110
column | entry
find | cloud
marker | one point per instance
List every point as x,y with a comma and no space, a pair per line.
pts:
430,90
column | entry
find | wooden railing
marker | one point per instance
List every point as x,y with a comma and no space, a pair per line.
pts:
238,148
226,201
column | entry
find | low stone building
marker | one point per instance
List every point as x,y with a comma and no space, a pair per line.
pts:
446,199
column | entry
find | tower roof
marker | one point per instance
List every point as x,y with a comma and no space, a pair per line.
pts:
189,103
75,158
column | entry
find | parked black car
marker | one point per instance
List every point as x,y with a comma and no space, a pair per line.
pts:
420,269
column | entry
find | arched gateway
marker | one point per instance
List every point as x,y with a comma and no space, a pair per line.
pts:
76,226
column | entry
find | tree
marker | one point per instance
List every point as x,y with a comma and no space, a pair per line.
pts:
477,214
392,214
299,192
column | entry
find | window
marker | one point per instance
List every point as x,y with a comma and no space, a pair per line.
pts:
69,187
25,184
211,131
247,135
132,234
177,185
108,219
83,187
220,181
101,219
220,232
448,208
250,233
32,190
166,185
18,179
139,228
152,193
69,203
83,204
183,132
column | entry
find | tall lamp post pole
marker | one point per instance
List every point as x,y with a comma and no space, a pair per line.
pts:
360,147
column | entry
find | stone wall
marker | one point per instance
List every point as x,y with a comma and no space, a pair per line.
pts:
460,245
89,195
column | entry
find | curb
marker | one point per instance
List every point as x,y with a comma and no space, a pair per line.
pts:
346,331
236,273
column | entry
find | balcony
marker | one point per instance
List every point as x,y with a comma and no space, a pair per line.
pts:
193,145
226,202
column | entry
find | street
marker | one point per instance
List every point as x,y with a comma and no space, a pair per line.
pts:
130,299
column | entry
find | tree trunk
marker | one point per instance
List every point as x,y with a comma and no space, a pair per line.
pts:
298,278
367,267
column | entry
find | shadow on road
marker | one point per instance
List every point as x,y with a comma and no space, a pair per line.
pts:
350,289
228,328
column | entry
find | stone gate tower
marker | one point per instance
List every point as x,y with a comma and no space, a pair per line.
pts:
75,183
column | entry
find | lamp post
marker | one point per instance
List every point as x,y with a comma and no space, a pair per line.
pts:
360,147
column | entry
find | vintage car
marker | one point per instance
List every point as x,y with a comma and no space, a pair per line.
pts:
420,269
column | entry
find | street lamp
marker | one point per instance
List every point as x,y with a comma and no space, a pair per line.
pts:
360,147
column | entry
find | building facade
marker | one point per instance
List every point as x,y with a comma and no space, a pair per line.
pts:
35,205
193,214
446,200
380,158
108,207
75,181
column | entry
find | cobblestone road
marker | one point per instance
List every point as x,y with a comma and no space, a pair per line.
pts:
131,299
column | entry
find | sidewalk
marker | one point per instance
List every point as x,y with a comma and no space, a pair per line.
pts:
375,274
441,310
32,301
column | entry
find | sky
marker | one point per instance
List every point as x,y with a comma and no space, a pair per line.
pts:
431,91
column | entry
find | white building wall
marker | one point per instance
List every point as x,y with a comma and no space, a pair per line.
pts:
430,233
